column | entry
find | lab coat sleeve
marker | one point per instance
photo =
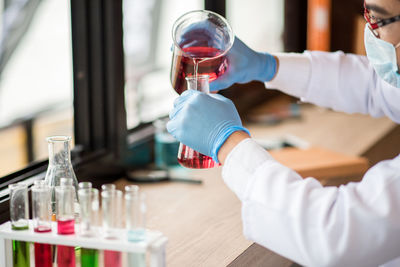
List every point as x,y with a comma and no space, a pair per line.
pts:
343,82
354,225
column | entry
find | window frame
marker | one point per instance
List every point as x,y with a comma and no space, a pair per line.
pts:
100,128
99,104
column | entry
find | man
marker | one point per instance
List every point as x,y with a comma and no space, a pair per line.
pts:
353,225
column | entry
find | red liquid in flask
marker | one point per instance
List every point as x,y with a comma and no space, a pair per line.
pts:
209,63
190,158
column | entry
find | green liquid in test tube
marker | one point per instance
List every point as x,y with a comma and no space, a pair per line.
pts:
21,255
19,215
89,257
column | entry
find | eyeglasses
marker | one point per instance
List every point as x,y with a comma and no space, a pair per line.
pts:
374,24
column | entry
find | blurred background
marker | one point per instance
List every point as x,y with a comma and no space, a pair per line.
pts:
36,76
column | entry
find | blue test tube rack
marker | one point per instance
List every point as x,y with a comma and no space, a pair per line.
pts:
154,243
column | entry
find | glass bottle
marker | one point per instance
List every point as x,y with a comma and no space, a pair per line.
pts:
187,156
60,166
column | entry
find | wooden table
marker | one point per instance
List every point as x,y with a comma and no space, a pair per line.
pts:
203,221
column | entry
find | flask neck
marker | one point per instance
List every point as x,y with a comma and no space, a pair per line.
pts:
198,83
59,151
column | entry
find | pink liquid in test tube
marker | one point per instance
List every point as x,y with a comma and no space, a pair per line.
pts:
112,258
65,226
65,196
43,251
43,255
66,256
41,214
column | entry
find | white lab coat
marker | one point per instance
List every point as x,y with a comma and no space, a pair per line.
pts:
354,225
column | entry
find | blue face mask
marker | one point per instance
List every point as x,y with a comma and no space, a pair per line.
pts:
382,56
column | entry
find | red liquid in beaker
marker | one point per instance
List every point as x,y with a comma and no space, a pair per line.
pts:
184,65
190,158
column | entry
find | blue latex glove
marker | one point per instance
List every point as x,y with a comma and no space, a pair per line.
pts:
245,65
203,122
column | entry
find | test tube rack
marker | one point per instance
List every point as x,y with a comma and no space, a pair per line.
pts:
154,242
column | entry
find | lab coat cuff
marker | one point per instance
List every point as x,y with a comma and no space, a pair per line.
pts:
241,163
293,74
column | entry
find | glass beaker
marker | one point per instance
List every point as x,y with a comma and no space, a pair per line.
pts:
165,146
201,40
187,156
60,166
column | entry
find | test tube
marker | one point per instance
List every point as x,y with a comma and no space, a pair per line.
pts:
89,201
41,207
65,194
19,206
65,200
86,202
111,201
108,187
135,210
84,185
111,206
39,182
41,215
95,218
19,215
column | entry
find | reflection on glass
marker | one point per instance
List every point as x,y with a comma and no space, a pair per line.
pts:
36,79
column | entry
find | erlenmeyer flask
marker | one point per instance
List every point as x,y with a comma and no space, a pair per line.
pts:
188,157
60,166
201,40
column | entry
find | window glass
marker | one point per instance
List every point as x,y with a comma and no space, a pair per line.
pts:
147,48
258,23
35,79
